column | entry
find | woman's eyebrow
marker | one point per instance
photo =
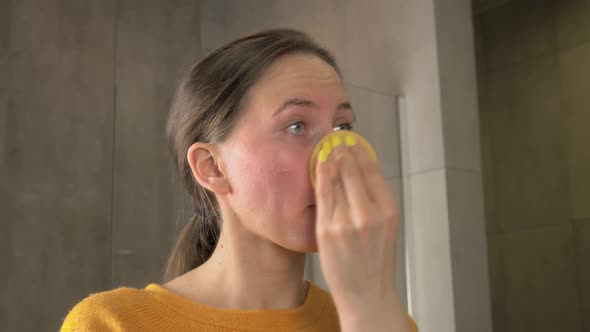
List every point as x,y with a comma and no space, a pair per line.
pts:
310,104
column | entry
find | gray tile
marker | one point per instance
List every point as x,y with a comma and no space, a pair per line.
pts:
540,288
416,61
137,269
582,242
496,271
518,30
322,20
479,39
575,94
461,126
528,149
245,17
537,33
5,28
155,44
370,34
213,23
430,257
468,237
458,86
572,22
360,100
57,160
377,121
579,164
501,46
422,120
495,99
395,186
491,213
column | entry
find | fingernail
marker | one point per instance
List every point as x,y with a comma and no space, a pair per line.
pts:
323,155
336,140
350,140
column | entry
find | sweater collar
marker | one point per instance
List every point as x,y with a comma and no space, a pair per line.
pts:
299,317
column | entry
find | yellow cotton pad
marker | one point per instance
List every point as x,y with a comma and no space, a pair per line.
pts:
330,141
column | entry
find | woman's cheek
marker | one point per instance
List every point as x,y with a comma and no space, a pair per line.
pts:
246,169
289,169
265,167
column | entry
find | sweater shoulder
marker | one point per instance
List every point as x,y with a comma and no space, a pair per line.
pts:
329,315
114,310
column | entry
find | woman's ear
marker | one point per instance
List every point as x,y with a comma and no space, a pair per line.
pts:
204,166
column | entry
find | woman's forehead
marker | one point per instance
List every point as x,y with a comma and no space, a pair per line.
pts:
300,67
298,75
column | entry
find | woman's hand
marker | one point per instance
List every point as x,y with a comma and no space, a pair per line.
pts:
357,224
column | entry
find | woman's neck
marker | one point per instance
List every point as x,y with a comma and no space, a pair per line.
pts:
247,272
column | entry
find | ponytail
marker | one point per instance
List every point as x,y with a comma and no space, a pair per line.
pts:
195,244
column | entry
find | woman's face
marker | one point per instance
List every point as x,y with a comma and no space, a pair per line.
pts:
297,101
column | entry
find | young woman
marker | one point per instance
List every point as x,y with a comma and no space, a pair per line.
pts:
241,129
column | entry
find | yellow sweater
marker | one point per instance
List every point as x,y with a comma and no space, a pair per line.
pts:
157,309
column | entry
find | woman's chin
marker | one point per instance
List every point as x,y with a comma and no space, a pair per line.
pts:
306,239
308,242
307,247
301,234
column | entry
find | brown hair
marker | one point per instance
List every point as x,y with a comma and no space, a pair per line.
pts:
205,107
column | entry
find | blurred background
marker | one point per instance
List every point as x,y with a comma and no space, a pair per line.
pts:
533,69
479,112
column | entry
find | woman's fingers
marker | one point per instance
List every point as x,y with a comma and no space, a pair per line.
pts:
377,188
355,188
350,181
331,197
355,239
385,207
326,198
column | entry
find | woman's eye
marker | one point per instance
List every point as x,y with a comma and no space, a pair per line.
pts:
297,128
344,126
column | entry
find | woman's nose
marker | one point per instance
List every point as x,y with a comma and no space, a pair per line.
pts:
316,137
321,133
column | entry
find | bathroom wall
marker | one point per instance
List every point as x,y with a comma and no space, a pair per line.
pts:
533,65
85,192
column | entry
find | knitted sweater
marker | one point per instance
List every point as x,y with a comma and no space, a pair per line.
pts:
155,308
